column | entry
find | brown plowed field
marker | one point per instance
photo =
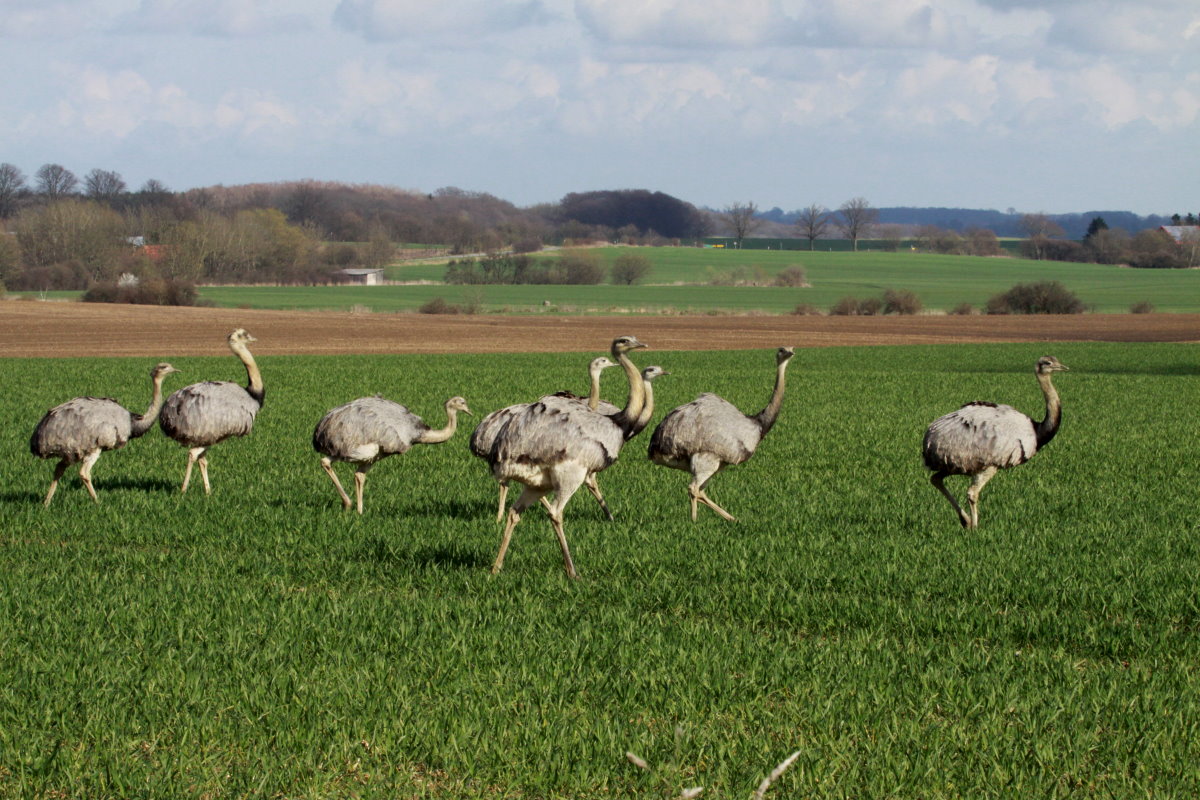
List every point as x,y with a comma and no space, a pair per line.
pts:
43,329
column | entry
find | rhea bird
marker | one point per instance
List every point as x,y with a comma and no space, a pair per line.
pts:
204,414
982,438
80,429
556,443
649,375
369,429
483,438
709,434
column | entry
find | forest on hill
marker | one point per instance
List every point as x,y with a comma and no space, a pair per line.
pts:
63,233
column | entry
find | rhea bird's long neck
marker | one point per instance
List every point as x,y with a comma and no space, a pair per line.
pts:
140,424
439,436
1046,429
628,417
766,418
594,389
254,386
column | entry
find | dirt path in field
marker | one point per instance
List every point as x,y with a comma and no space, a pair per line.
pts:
46,329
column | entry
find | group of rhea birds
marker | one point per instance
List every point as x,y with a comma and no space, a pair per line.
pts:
551,446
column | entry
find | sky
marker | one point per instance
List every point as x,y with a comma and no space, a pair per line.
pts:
1053,106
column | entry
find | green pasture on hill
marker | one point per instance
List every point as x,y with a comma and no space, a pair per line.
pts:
1009,245
682,280
261,642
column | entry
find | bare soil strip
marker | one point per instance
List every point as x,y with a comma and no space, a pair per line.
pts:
49,329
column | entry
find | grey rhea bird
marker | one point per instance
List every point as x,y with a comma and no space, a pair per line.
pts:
369,429
79,430
203,414
483,438
649,375
980,439
710,433
554,444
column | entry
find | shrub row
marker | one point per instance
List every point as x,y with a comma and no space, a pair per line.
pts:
147,293
1045,297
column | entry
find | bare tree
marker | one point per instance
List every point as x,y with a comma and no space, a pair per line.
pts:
983,242
1039,227
55,181
857,218
154,187
742,221
813,223
1189,245
629,268
380,249
103,185
891,234
12,186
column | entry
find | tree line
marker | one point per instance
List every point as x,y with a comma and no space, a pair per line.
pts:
1043,238
58,231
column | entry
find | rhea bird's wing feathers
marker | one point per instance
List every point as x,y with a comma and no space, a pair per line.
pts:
708,424
977,436
79,426
203,414
483,438
555,430
372,422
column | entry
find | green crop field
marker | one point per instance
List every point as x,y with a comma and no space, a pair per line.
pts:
261,642
681,276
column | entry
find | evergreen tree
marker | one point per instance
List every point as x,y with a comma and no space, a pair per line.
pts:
1095,226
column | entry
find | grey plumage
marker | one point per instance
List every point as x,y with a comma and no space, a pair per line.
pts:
369,429
649,375
204,414
708,434
79,430
980,439
483,438
556,443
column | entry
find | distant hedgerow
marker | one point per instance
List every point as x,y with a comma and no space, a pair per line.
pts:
901,301
153,292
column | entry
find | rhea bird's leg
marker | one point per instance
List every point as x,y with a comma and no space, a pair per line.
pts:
360,480
59,469
193,454
203,462
704,467
594,488
503,500
327,465
938,480
85,473
567,481
528,497
977,483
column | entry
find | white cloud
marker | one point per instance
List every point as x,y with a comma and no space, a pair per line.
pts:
117,105
249,113
378,99
383,20
675,23
234,18
1112,28
1116,100
46,19
943,90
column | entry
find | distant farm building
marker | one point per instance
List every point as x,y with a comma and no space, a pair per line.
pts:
362,277
1180,233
